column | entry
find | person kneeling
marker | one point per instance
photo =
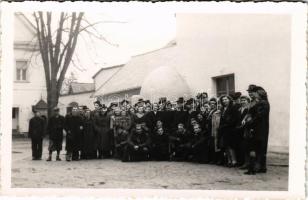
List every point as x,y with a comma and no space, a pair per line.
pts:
197,150
160,145
137,145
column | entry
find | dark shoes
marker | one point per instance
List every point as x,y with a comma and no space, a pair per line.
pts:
261,171
244,167
49,158
249,172
58,158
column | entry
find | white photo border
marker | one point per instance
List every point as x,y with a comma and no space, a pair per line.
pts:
297,142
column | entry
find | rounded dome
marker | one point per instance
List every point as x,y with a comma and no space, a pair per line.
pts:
164,82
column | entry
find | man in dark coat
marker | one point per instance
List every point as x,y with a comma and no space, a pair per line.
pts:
197,145
73,128
177,141
36,133
103,132
55,130
160,145
138,144
180,116
152,117
88,144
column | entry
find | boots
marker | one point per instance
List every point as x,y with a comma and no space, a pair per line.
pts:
49,158
251,167
58,158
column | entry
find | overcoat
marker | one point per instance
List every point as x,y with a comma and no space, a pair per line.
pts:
74,128
36,128
226,131
103,132
55,129
89,144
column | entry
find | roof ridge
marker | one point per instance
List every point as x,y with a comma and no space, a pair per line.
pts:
108,79
168,45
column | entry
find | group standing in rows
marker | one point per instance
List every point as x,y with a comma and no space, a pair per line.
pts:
230,130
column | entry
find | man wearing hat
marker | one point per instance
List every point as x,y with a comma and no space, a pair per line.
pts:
36,133
180,115
55,129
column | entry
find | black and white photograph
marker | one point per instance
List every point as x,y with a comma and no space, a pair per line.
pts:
167,99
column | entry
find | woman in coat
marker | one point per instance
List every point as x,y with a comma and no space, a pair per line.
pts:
226,129
257,130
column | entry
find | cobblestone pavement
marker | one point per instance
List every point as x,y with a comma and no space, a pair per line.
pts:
147,175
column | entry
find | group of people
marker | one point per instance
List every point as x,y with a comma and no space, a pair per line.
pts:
229,130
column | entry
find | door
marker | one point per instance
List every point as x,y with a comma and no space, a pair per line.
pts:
15,117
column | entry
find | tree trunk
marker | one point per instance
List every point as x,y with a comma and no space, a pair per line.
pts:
52,99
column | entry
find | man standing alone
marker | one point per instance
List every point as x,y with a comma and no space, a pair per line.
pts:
36,133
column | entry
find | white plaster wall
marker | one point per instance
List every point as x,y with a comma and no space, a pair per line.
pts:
256,48
81,99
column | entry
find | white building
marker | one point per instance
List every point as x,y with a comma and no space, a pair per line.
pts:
29,84
79,94
29,80
217,53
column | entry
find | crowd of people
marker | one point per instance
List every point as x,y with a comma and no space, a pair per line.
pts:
230,130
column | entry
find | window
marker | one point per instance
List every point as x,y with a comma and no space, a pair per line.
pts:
224,84
21,70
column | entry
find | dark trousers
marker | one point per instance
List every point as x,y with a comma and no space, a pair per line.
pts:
140,154
37,147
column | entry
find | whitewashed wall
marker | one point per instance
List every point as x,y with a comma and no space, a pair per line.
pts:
256,48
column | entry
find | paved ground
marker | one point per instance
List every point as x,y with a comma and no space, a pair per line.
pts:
155,175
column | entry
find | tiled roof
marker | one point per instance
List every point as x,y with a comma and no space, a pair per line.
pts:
77,88
41,104
132,74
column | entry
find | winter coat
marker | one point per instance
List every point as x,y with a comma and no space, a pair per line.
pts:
74,128
55,127
36,128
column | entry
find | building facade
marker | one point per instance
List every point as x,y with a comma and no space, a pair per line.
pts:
220,54
28,79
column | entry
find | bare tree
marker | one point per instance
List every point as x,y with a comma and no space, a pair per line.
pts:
57,51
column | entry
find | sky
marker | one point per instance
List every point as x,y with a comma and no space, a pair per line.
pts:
127,34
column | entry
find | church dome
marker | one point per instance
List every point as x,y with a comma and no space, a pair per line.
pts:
164,82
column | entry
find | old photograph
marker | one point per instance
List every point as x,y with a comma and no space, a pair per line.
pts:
141,100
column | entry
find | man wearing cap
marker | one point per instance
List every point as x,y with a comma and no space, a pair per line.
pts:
36,133
55,129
